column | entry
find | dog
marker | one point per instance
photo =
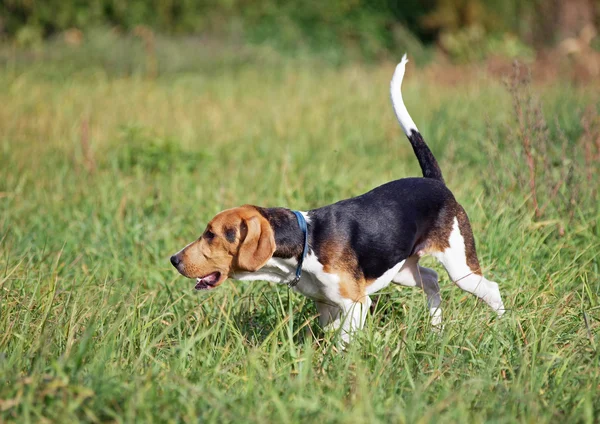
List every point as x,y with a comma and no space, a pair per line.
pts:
340,254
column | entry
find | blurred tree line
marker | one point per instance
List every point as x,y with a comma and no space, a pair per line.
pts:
466,29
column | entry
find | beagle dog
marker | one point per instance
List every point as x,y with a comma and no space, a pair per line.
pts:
340,254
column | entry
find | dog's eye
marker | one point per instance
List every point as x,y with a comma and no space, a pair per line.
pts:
209,235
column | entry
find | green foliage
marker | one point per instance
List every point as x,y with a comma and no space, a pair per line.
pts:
96,326
338,29
362,27
473,30
138,150
472,44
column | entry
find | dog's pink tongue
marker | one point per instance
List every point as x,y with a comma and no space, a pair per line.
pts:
211,278
207,281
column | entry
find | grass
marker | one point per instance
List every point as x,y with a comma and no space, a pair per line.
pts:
103,176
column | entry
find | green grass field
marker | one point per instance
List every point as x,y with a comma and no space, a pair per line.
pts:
104,176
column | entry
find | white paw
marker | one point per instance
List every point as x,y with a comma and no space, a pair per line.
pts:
436,320
499,308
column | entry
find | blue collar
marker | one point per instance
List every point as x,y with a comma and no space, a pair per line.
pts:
303,227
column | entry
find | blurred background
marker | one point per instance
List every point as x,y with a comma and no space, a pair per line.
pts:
157,36
125,126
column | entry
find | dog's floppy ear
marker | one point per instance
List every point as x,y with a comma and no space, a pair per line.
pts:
258,246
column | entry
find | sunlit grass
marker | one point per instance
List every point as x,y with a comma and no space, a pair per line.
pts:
97,326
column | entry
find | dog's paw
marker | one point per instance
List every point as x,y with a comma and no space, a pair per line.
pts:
436,320
500,310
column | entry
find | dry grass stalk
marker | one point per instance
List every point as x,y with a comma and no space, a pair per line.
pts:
555,173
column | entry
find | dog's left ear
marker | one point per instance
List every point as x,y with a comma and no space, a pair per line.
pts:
258,246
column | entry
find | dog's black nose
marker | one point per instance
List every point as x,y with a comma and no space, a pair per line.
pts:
175,260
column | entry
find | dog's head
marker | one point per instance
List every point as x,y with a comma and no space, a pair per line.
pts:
238,239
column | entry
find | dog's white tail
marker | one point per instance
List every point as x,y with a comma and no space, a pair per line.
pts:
429,165
402,114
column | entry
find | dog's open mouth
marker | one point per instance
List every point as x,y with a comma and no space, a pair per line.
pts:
208,281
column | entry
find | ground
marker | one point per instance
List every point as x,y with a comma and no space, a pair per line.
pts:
104,175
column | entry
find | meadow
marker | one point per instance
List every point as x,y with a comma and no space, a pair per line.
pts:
105,172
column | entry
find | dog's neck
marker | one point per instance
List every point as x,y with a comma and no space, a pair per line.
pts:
289,244
289,238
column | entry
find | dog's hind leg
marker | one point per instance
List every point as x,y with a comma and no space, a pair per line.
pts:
462,265
413,275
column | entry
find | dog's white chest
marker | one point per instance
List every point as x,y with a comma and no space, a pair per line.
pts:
317,284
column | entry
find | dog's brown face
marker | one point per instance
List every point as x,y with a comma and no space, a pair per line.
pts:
238,239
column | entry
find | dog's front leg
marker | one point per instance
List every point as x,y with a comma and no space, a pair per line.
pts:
353,317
